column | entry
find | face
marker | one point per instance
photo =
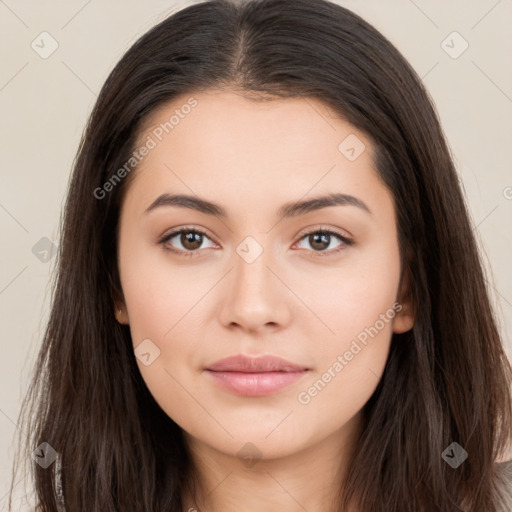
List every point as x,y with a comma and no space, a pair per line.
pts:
253,275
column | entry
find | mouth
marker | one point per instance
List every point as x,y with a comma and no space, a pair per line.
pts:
259,376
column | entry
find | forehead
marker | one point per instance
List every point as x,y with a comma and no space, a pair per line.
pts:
222,143
224,121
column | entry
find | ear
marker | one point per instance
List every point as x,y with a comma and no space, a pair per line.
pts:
120,309
406,314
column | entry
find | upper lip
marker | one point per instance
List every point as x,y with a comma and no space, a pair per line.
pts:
245,364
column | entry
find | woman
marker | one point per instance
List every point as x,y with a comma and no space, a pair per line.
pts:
269,292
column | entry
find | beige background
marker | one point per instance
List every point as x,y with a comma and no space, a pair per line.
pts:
45,104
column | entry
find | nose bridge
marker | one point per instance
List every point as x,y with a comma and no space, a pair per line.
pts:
251,259
255,295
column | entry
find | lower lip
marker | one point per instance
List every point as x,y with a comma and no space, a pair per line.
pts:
255,384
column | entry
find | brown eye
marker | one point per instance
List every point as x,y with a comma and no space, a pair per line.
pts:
189,241
320,240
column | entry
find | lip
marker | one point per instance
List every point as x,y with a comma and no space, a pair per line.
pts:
255,376
261,364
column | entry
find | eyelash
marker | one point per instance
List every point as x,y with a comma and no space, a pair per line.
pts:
345,241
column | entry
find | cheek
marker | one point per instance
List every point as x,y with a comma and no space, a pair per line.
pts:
161,320
158,293
349,361
162,301
358,306
357,295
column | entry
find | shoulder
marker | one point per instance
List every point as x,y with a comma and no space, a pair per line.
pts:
504,485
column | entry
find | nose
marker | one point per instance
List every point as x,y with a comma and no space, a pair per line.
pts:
254,297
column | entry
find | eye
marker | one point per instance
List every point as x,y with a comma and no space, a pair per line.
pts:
321,239
189,239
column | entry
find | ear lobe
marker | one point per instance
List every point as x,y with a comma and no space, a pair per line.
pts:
403,322
406,314
120,310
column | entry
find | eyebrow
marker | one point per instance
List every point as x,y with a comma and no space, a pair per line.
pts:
292,209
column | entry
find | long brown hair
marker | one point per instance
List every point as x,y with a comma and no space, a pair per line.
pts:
447,380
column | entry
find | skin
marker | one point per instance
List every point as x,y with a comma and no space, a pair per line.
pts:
294,301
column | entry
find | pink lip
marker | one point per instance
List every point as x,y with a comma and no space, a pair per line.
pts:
259,376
